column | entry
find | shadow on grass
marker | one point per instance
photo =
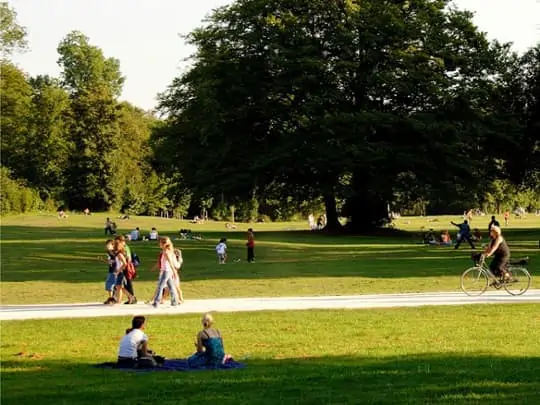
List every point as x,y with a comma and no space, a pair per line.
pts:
414,379
70,255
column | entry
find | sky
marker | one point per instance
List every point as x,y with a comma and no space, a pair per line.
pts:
144,34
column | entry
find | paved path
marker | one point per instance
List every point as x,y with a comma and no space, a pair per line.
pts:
14,312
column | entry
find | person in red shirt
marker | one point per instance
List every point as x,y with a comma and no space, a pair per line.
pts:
250,246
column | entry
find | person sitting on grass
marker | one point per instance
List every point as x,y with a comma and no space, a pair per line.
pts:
133,351
209,343
135,234
446,240
153,235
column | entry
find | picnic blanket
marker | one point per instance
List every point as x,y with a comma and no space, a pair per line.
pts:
174,365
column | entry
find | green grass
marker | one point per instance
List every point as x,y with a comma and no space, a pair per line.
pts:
483,354
46,260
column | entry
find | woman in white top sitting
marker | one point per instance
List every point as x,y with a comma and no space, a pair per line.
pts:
168,267
134,345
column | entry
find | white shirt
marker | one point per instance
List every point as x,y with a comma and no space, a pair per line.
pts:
165,265
153,235
131,342
221,248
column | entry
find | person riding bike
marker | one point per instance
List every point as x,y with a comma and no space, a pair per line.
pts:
498,248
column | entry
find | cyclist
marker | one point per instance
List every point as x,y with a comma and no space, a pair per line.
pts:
498,248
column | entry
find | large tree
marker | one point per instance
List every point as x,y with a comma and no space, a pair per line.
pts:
307,93
94,82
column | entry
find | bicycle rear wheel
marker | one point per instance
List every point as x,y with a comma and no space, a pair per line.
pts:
520,282
474,281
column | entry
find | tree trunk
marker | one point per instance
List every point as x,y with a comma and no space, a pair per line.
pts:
332,221
367,209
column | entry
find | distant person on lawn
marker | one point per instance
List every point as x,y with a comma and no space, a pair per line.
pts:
221,250
153,235
464,233
493,222
109,227
250,246
135,234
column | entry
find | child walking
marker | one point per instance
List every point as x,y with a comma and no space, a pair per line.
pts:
110,282
221,250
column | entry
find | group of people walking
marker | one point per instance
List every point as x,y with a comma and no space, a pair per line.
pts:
123,263
122,271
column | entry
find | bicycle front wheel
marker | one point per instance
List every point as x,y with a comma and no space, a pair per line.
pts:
474,281
520,281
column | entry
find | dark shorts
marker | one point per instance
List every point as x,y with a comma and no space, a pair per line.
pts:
121,279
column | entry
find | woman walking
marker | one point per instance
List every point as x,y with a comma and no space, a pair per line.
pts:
168,265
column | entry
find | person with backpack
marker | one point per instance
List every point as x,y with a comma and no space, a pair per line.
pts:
129,271
168,267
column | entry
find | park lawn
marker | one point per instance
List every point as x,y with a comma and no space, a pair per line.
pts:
488,354
46,260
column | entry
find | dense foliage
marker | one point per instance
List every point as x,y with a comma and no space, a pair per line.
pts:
347,107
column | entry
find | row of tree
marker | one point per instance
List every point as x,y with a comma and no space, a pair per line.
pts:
69,138
290,106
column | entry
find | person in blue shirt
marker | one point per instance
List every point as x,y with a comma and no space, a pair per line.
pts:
463,234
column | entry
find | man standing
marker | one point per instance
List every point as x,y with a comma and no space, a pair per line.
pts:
493,222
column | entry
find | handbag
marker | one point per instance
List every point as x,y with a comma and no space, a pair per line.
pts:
131,271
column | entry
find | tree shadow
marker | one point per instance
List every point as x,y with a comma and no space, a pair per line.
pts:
71,255
451,378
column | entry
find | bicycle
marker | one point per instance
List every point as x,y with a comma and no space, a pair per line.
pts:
476,280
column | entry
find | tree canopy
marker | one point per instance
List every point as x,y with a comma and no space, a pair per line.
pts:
352,108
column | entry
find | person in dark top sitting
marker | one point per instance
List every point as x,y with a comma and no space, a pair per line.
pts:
498,248
463,234
493,222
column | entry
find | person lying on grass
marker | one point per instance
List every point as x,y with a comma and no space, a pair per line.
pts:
209,344
133,351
